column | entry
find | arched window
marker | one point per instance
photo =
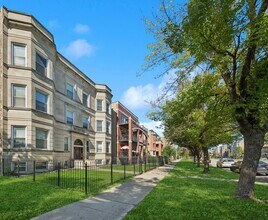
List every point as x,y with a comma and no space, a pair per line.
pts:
78,142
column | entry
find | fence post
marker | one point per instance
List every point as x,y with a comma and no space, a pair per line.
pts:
3,166
58,173
86,178
111,170
34,170
140,163
145,164
134,166
124,170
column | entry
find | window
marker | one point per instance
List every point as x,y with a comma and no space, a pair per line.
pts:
85,96
19,96
19,55
41,138
88,147
108,124
124,119
99,105
21,166
107,147
70,117
99,146
41,166
107,107
40,64
85,122
66,144
99,125
41,101
70,91
99,161
19,136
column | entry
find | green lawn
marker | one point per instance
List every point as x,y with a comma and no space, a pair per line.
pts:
189,194
23,199
97,179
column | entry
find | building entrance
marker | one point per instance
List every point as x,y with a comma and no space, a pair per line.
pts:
78,153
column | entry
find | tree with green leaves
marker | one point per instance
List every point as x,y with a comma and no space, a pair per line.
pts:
230,38
198,118
169,151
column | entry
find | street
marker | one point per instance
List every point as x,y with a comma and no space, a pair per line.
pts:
259,178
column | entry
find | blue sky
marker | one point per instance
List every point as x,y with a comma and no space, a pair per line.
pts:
107,40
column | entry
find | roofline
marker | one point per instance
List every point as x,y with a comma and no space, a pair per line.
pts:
76,68
127,109
30,15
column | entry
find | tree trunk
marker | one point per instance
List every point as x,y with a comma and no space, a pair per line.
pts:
254,141
194,158
198,159
206,160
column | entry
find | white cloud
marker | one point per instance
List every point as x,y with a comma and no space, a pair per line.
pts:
139,97
153,125
79,48
81,28
136,97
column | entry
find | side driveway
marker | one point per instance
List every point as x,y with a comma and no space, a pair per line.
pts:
114,203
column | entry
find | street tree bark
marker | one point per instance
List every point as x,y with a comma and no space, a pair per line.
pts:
206,160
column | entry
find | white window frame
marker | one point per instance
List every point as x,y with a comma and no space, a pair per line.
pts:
101,125
67,117
109,147
97,105
85,117
47,138
12,53
97,146
12,94
87,146
44,57
68,90
108,129
12,135
13,166
68,144
85,104
41,162
47,101
108,107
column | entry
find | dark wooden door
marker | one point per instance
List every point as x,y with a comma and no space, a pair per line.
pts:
78,153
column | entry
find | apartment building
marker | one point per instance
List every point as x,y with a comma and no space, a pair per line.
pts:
49,109
132,138
155,144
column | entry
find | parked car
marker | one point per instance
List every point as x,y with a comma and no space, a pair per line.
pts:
225,162
262,167
236,167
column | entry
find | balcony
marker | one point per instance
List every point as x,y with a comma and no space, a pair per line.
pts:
123,138
124,123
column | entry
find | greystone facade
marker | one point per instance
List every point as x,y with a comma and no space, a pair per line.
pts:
49,109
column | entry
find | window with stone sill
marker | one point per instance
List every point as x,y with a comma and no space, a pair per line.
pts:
19,54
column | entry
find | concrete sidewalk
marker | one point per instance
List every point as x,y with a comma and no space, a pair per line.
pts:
114,203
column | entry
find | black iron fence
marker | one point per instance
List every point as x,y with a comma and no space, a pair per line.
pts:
88,176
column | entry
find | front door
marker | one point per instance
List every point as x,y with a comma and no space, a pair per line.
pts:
78,153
